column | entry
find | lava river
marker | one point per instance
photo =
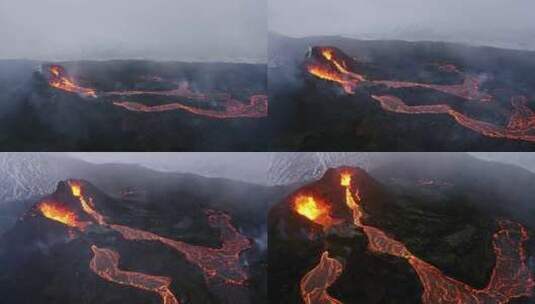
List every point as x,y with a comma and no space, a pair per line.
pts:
105,264
329,64
315,283
218,264
511,278
227,107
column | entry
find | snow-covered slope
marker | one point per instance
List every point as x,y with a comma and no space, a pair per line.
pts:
288,167
24,175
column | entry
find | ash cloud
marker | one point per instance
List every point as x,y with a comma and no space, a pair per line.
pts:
185,30
507,24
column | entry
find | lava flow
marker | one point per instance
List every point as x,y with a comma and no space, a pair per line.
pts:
223,263
227,107
329,66
60,213
468,90
313,209
59,79
105,263
510,278
521,125
256,107
314,284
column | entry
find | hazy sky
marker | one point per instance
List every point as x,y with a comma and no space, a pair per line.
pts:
507,22
230,30
250,167
243,166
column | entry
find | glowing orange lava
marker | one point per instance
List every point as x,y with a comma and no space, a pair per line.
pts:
60,80
256,108
511,278
60,213
332,68
227,107
313,209
345,179
521,126
216,263
315,283
468,90
105,263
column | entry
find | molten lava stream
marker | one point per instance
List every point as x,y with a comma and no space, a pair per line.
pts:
105,263
511,278
60,80
315,283
468,90
513,131
332,68
223,263
256,108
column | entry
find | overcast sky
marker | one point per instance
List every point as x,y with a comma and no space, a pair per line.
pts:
206,30
508,23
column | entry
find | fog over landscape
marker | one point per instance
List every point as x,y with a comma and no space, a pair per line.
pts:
186,30
507,24
254,167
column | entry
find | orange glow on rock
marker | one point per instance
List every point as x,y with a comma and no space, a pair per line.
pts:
60,80
59,213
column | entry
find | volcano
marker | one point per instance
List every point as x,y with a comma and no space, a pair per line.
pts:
346,94
134,105
374,248
80,245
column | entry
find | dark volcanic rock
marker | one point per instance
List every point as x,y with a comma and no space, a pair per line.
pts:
44,261
449,232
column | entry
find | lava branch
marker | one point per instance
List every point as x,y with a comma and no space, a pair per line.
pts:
222,263
511,278
521,125
105,263
256,107
314,284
